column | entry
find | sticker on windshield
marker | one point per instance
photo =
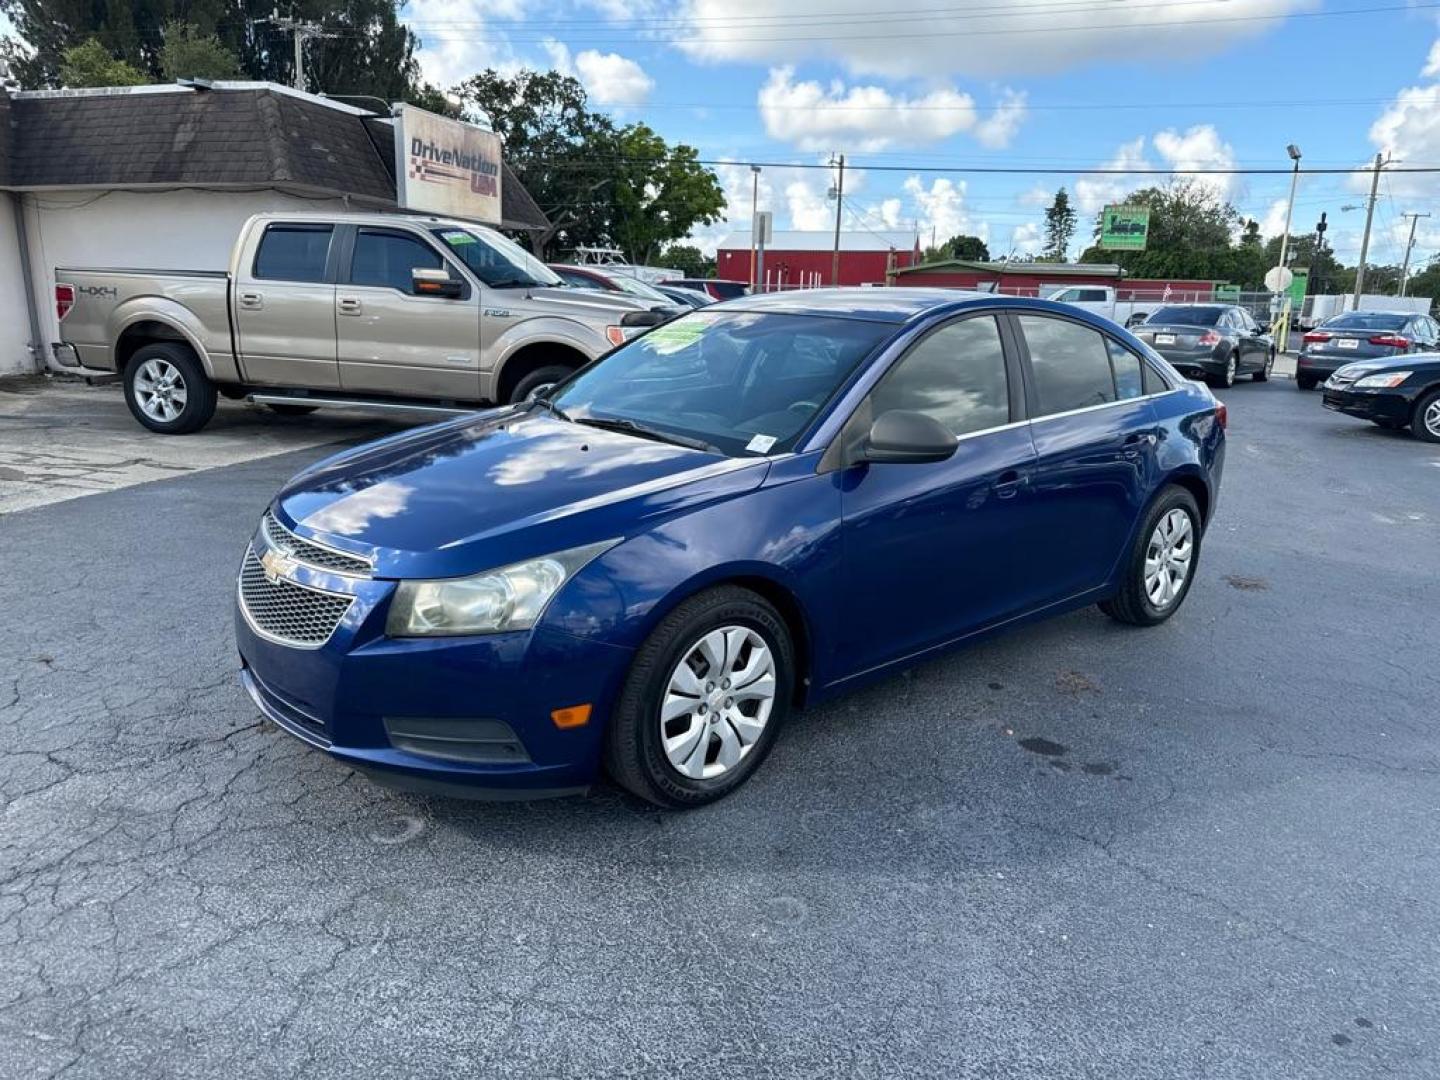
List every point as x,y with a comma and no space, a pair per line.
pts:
672,337
761,444
458,236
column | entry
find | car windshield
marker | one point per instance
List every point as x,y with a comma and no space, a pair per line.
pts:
498,262
1366,320
743,382
1186,316
636,287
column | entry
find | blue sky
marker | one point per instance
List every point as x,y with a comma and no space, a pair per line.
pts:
930,83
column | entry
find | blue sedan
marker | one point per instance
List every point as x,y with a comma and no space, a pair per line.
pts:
749,509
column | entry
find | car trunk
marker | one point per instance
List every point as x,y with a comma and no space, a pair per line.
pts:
1350,345
1173,338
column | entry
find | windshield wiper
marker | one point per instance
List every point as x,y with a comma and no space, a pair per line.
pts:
512,283
548,405
630,427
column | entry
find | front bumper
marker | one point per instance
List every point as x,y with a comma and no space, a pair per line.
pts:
370,701
1387,405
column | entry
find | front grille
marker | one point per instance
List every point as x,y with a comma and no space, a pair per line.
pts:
311,553
286,612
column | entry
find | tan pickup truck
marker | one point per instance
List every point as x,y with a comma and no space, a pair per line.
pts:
379,310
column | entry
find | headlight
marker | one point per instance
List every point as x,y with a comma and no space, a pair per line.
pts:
1380,382
497,601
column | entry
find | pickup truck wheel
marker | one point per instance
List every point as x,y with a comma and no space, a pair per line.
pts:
290,410
167,389
538,381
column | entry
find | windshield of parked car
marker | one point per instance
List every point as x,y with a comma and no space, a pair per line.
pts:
1186,316
636,287
1366,320
745,383
498,262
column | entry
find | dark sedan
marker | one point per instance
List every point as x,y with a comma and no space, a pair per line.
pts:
688,298
1361,335
1402,392
1215,342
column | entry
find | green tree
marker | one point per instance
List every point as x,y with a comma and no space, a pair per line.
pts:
689,260
90,64
658,193
1060,222
189,54
1248,263
1189,235
1426,281
964,247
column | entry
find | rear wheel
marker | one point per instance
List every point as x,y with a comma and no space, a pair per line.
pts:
1305,382
705,697
1426,422
1232,364
1161,565
167,389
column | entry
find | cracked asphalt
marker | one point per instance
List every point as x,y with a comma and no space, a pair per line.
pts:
1210,849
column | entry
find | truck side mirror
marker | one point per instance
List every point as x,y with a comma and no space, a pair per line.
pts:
426,281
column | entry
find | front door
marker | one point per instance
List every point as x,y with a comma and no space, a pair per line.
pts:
284,304
391,341
927,547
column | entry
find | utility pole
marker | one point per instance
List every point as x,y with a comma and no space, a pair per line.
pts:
1294,152
302,32
839,203
754,209
1409,247
1380,163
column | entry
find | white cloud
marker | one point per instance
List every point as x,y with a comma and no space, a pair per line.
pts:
991,40
1273,223
864,118
941,209
997,129
1026,239
1409,129
447,57
1200,147
1039,195
1092,193
609,78
1432,62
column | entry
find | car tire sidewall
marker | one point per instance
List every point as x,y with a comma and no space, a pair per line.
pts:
1417,424
199,390
637,714
1131,604
548,375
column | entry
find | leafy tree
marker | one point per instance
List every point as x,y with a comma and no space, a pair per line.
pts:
1189,235
658,193
189,54
90,64
964,247
1248,263
689,260
1426,281
1060,222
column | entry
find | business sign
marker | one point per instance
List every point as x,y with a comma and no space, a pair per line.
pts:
1124,228
1227,294
1299,284
446,167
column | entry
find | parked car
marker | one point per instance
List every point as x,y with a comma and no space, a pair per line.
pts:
1361,335
715,288
371,310
1102,300
688,297
756,506
1215,342
600,280
1401,392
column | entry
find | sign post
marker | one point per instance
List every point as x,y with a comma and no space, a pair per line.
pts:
764,231
446,167
1277,280
1124,228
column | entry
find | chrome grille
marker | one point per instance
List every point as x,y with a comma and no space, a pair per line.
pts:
286,612
311,553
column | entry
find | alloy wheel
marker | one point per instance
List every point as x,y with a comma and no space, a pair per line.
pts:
1168,557
160,390
1230,367
1432,418
717,702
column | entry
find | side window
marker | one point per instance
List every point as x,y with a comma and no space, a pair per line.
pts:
1070,363
1092,295
1125,365
1066,296
386,258
293,253
956,374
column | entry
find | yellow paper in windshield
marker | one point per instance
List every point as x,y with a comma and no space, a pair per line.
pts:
672,337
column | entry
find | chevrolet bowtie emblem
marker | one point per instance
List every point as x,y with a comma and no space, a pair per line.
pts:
276,566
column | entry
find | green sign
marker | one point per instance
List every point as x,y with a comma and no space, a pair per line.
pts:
1123,228
1298,286
1227,294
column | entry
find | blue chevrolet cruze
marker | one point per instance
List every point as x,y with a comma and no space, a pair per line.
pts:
754,507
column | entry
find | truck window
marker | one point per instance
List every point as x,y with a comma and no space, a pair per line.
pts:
293,253
386,258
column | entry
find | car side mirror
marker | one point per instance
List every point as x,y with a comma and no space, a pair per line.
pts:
426,281
900,437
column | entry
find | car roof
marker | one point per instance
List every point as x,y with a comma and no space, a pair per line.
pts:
1380,311
893,305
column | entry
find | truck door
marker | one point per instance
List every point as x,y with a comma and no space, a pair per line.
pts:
284,307
393,341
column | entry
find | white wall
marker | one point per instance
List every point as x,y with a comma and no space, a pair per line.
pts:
14,319
170,230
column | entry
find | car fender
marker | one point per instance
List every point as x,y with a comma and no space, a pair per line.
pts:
168,313
548,330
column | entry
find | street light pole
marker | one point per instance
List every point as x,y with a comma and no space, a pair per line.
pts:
839,202
1409,247
1294,152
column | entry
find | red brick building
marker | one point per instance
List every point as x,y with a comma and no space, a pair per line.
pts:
798,258
1041,279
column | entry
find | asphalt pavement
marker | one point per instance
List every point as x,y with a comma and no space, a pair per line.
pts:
1209,849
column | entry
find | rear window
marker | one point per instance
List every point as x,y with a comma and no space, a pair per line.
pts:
1187,316
293,253
1366,320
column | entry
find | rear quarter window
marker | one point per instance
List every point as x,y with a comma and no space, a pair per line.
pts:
293,253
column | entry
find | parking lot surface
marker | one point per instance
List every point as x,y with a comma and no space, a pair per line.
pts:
1210,849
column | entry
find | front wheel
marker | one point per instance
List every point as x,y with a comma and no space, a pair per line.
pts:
705,697
1161,565
1426,423
167,389
537,382
1263,375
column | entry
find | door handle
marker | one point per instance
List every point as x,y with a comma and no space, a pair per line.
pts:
251,301
349,305
1008,483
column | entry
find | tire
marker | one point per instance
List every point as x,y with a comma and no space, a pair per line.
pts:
167,390
1426,422
290,410
1226,380
1305,382
539,379
1263,375
1133,603
636,743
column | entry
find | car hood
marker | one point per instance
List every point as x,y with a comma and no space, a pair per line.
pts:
1402,362
568,300
493,488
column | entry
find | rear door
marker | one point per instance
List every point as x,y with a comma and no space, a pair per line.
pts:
1095,435
285,308
391,341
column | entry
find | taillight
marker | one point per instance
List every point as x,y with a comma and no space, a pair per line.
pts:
64,300
1317,335
1394,341
1209,337
1222,415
